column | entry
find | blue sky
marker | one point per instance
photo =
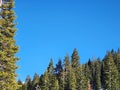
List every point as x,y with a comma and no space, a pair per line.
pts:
52,28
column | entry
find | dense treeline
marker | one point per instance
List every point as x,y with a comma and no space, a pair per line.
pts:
96,74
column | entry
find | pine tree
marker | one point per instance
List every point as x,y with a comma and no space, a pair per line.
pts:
51,75
91,68
82,79
97,74
20,84
87,72
35,81
75,63
66,72
28,83
110,73
75,59
45,82
8,47
60,74
55,84
50,67
72,80
24,87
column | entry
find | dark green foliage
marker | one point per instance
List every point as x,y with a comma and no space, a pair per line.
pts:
95,74
60,74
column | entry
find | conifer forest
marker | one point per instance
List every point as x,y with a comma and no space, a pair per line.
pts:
66,74
69,74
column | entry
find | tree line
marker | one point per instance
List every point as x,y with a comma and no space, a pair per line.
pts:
69,74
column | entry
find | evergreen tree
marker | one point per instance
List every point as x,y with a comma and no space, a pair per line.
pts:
91,76
110,73
75,59
97,74
87,72
28,83
8,47
45,82
59,74
55,85
61,81
50,67
24,87
82,79
72,80
20,84
51,75
35,81
59,67
66,72
75,63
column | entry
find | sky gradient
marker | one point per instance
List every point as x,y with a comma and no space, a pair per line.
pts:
52,28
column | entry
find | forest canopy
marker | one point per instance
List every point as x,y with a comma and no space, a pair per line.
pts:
69,74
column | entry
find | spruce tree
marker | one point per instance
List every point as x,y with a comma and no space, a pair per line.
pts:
46,83
72,80
50,67
28,83
51,75
35,81
75,63
82,79
60,74
20,84
75,59
110,73
97,75
66,72
8,47
91,68
55,84
87,72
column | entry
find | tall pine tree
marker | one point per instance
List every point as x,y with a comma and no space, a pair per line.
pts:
75,63
97,75
72,80
66,72
35,81
8,47
110,73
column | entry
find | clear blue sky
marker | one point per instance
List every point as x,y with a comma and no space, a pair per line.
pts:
52,28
